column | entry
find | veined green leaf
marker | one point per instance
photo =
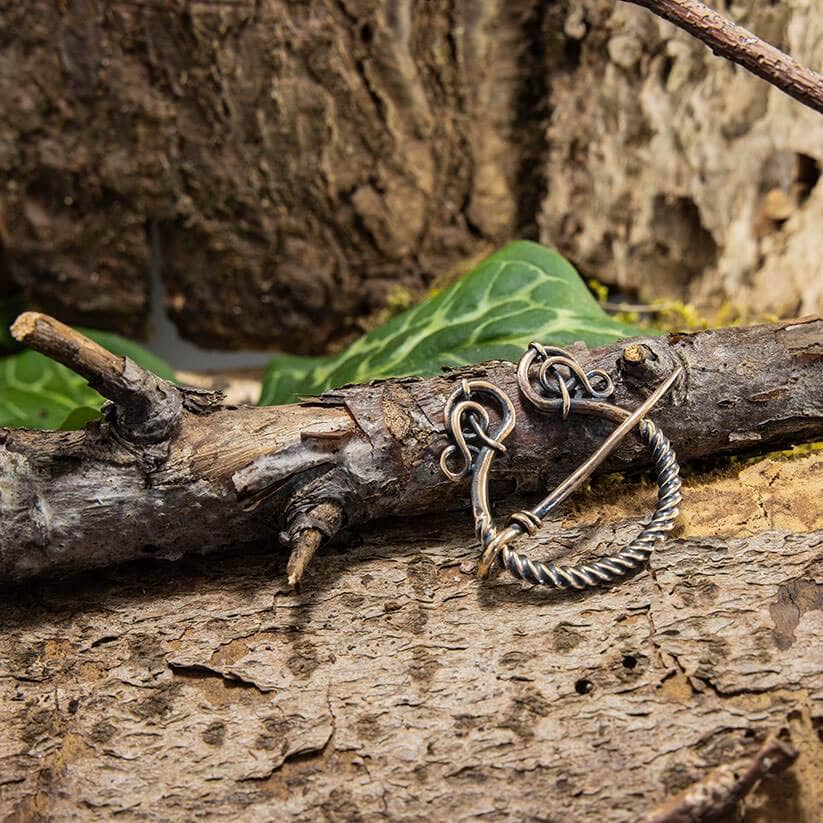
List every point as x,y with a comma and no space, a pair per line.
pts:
78,418
37,393
522,293
288,376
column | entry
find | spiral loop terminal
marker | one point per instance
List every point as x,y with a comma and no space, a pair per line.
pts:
552,380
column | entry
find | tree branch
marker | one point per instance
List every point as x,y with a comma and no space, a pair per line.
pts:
305,534
740,46
146,407
225,475
719,792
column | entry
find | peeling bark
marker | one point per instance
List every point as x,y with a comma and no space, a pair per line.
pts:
73,500
396,683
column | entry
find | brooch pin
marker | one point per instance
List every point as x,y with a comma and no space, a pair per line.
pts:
553,381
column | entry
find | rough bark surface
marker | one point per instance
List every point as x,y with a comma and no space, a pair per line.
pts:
397,685
304,161
71,500
301,160
674,172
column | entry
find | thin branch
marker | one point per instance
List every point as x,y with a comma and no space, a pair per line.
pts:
740,46
303,549
721,789
146,406
308,530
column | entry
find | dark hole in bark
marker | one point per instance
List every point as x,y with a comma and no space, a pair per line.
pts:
572,50
583,686
101,641
682,246
666,69
629,661
808,173
794,173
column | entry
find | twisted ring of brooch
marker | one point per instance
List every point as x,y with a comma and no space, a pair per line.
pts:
552,380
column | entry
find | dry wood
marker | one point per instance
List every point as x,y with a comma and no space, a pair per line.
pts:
308,532
717,795
397,686
225,476
740,46
146,407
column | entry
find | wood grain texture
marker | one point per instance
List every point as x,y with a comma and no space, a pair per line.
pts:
396,685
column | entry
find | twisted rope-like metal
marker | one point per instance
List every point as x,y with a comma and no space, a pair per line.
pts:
614,567
561,385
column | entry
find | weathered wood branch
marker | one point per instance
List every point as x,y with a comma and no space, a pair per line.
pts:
146,407
72,500
740,46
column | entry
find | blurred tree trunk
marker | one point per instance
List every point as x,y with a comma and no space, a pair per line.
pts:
302,160
304,163
678,174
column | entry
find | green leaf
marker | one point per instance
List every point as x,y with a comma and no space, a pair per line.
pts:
287,377
524,292
37,393
80,417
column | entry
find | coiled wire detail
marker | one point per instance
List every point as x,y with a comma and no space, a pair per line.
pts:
552,380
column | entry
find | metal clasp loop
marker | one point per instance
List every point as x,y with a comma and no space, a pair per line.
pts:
467,422
552,380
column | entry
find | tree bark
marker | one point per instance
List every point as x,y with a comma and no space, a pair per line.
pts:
215,476
398,686
304,163
675,175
